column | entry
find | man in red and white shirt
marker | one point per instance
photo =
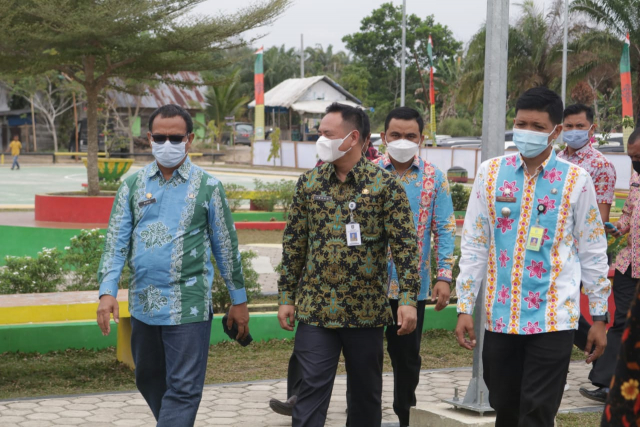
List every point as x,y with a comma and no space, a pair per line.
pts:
578,128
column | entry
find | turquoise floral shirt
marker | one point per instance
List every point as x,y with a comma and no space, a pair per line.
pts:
167,231
430,199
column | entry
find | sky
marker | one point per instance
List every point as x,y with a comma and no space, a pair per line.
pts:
327,21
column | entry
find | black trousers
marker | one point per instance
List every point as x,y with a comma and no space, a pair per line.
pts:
404,352
525,375
317,351
624,287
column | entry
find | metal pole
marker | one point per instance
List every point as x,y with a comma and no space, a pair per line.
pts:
493,127
495,79
564,52
302,56
404,48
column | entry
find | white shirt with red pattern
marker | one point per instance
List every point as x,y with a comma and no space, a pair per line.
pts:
630,223
601,170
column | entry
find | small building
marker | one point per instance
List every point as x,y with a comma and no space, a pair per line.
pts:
309,97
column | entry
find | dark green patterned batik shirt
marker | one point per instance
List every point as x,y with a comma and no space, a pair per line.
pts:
340,286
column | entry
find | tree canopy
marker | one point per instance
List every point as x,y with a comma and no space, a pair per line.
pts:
94,42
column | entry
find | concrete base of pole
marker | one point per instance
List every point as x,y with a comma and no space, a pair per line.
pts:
443,415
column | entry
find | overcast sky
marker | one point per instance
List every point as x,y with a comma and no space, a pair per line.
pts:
327,21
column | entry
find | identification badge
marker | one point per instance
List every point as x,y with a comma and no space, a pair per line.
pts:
504,199
320,198
635,184
353,234
536,238
147,202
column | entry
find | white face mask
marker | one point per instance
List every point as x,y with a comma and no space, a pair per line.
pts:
402,150
168,154
328,149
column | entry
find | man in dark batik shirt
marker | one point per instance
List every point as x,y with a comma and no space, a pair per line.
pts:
337,288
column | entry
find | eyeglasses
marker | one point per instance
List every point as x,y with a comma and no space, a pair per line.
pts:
174,139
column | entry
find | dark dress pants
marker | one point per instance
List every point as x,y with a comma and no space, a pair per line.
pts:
171,362
317,351
525,375
404,352
624,287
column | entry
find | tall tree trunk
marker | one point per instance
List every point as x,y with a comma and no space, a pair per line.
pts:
92,140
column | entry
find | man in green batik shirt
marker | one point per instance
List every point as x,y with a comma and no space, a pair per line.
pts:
344,217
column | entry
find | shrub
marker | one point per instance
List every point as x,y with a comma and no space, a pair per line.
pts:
234,192
278,193
460,196
24,275
83,259
220,296
110,185
269,198
456,127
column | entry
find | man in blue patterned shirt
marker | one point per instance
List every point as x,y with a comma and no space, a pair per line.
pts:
428,192
167,221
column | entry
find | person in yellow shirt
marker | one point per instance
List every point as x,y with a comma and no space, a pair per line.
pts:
15,146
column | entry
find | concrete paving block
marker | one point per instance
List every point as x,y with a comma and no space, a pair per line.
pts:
68,421
444,415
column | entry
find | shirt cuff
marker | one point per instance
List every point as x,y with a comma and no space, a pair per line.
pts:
407,298
444,275
238,296
286,298
108,288
464,307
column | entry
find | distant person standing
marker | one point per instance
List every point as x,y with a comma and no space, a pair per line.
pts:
15,146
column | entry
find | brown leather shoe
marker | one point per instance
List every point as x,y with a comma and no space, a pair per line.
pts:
283,408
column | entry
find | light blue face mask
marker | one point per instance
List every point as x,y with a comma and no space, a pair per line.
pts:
576,138
529,143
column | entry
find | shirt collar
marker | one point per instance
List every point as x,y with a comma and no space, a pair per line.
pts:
584,151
547,164
358,171
184,170
386,161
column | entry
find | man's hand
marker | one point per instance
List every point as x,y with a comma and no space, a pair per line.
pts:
407,319
239,314
597,337
108,305
618,231
287,316
441,292
465,326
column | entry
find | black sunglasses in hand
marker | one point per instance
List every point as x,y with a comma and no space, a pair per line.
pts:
174,139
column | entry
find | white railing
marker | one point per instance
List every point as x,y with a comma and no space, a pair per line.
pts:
302,155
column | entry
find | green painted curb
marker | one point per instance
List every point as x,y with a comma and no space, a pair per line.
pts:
257,216
46,337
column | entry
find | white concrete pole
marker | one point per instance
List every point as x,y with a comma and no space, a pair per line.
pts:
564,52
404,48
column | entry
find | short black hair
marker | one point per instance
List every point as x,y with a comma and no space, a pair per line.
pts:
634,137
574,109
354,115
542,99
404,113
172,110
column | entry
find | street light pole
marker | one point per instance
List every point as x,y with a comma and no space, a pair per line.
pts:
564,52
404,48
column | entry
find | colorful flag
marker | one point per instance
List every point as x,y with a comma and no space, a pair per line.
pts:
258,83
625,80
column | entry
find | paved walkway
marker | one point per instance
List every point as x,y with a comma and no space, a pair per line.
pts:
243,404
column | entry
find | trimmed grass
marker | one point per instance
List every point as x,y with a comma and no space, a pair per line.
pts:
246,237
588,419
84,371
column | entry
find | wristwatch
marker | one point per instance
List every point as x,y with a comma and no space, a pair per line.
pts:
604,318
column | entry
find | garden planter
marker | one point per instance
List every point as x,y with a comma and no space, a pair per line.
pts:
111,169
74,207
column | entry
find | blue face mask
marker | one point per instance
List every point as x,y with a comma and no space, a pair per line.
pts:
529,143
576,138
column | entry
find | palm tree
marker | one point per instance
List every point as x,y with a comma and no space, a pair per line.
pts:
224,100
620,17
279,65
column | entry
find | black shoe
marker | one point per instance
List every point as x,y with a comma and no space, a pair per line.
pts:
283,408
599,394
